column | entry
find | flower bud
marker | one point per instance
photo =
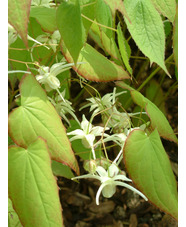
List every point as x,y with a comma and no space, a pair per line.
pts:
90,166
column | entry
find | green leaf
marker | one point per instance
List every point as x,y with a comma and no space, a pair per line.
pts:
149,167
18,17
71,28
37,117
61,170
155,93
123,48
96,67
175,40
46,17
157,118
88,10
32,186
147,30
13,219
166,7
104,16
106,43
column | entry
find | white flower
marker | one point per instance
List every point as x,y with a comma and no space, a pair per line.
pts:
87,133
118,138
107,101
109,180
47,76
52,40
12,36
63,106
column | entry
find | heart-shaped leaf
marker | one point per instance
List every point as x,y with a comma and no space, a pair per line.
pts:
146,28
95,66
37,117
70,26
166,7
18,16
149,167
158,119
32,186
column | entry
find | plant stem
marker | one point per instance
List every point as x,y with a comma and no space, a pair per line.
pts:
153,74
99,23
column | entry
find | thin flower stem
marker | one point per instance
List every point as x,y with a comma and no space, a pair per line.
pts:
118,156
113,29
93,153
60,95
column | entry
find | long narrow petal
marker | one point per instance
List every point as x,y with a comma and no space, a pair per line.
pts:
121,177
101,171
86,176
77,132
99,192
131,188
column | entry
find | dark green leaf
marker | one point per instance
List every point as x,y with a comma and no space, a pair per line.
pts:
70,26
147,30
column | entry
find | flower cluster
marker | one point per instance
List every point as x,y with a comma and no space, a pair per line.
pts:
107,106
107,172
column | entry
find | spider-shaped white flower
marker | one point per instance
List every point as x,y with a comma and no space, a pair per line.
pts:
107,101
47,76
87,134
63,107
52,40
13,35
109,180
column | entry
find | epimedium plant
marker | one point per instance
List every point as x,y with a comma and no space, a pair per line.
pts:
47,40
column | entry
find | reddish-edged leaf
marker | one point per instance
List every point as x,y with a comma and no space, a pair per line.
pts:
149,167
18,16
32,186
37,117
95,66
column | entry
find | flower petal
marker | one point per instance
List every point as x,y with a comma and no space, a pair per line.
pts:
77,132
86,176
109,190
86,125
113,170
131,188
99,192
101,171
121,177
